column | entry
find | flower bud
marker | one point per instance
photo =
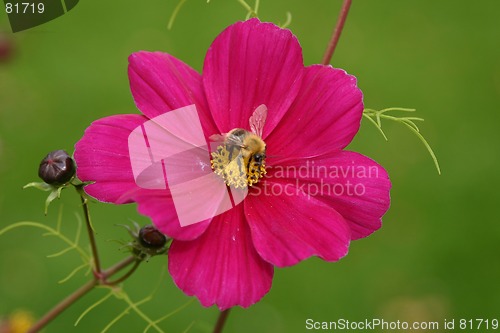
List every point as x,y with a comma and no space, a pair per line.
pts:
57,168
151,238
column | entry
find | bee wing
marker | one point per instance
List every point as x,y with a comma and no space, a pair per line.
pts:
227,139
258,119
233,140
219,138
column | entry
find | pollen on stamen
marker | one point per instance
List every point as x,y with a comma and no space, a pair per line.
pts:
234,171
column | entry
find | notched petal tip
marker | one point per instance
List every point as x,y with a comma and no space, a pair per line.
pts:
304,227
252,63
221,267
334,105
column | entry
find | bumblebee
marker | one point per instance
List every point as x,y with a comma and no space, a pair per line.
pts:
240,159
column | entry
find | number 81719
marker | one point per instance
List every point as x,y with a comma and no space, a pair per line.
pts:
24,8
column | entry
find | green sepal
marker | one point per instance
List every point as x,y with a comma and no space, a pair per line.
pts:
43,186
135,247
55,191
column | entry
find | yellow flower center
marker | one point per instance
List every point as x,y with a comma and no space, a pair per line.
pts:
238,166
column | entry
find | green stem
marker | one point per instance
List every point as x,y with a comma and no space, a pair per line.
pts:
126,275
117,267
336,32
63,305
93,244
77,294
221,321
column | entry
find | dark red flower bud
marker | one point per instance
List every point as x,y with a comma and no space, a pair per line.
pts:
151,238
57,168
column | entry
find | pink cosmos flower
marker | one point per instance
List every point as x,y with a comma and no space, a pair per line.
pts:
314,199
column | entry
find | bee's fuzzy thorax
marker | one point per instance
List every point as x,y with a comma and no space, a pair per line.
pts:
240,161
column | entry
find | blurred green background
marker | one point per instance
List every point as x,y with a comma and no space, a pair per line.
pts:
437,254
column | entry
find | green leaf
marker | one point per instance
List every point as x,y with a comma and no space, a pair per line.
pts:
375,117
175,13
288,21
426,144
60,253
50,232
251,12
376,125
120,294
73,272
94,305
182,307
188,328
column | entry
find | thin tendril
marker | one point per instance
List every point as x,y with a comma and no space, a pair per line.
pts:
288,20
370,114
251,11
90,308
175,13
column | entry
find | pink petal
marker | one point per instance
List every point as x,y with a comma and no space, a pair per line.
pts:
160,83
221,267
170,150
288,226
102,157
354,185
324,118
249,64
158,205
